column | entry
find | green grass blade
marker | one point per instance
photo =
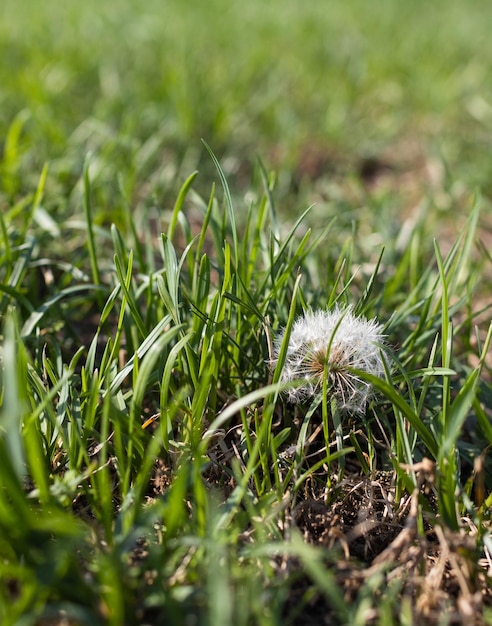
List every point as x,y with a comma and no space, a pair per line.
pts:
91,241
178,206
228,199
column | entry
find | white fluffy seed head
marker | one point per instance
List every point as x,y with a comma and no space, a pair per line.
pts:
332,343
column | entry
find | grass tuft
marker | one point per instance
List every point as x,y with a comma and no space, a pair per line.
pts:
152,467
147,440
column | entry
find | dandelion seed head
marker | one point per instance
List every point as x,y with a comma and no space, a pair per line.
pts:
332,343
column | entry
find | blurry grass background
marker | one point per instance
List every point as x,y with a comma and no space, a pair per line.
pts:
334,84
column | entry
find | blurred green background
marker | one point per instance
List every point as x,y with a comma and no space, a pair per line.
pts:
317,89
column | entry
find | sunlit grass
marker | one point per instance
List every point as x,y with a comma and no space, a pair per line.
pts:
176,335
152,468
140,83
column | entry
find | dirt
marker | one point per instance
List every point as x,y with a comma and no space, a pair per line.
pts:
438,575
372,543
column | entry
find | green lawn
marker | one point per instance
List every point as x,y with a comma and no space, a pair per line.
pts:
180,183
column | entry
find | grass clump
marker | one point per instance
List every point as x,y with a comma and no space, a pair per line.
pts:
151,468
